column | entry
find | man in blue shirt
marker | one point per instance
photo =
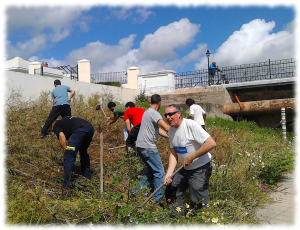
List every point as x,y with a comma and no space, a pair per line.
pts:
212,72
60,107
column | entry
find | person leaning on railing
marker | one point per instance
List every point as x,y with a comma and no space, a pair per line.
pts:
212,72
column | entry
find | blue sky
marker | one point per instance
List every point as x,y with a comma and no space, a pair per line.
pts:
151,37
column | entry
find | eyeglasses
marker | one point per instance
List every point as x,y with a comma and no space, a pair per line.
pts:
170,114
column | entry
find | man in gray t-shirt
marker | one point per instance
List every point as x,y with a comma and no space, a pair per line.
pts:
146,146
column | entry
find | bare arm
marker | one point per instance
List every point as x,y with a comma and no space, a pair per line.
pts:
173,159
72,93
53,101
207,146
164,127
127,123
63,141
191,116
112,120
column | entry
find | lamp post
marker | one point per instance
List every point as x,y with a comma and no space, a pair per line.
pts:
207,55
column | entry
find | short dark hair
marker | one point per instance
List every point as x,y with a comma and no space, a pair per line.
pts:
155,99
57,82
189,101
111,104
130,104
176,107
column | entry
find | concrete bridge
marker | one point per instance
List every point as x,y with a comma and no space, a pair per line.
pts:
260,101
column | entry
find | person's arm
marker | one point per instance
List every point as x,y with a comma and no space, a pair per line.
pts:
207,146
164,127
173,158
112,120
53,101
62,141
128,127
204,116
191,116
72,93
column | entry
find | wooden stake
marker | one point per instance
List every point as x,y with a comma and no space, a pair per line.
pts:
122,146
101,162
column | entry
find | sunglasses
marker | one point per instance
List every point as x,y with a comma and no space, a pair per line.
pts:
170,114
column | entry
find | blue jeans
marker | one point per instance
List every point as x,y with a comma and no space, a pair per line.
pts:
79,141
155,170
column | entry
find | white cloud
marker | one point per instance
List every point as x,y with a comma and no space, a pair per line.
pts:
138,15
143,15
100,54
50,23
113,58
195,54
162,44
30,46
254,42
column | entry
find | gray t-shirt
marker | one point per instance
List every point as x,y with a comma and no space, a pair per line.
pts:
149,129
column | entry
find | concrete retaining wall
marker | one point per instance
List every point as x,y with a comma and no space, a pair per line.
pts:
30,87
211,99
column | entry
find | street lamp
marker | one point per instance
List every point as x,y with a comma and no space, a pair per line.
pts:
207,55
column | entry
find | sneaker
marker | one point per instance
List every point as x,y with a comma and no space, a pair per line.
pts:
163,204
42,136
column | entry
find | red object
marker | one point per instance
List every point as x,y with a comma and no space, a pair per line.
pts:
46,64
135,115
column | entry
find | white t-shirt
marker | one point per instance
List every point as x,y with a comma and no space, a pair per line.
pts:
188,138
198,112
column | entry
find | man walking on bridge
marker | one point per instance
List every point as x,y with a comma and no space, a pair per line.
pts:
212,72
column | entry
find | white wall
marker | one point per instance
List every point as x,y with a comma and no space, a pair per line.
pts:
30,86
157,82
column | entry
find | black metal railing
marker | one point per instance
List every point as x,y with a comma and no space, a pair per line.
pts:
110,77
239,73
69,71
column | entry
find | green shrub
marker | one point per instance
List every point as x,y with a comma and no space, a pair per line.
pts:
117,84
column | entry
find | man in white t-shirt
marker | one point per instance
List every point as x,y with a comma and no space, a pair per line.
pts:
196,112
190,144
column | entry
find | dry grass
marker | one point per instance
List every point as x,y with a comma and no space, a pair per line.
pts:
34,172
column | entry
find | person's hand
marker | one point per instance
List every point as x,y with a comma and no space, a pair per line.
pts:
187,161
167,180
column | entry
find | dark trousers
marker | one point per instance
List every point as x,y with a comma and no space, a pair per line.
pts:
197,180
211,79
131,139
79,141
62,110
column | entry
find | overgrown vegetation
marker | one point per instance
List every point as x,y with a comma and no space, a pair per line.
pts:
248,162
117,84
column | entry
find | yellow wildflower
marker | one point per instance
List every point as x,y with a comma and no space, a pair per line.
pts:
214,220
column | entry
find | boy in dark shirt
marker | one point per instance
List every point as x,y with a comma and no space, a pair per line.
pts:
74,134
